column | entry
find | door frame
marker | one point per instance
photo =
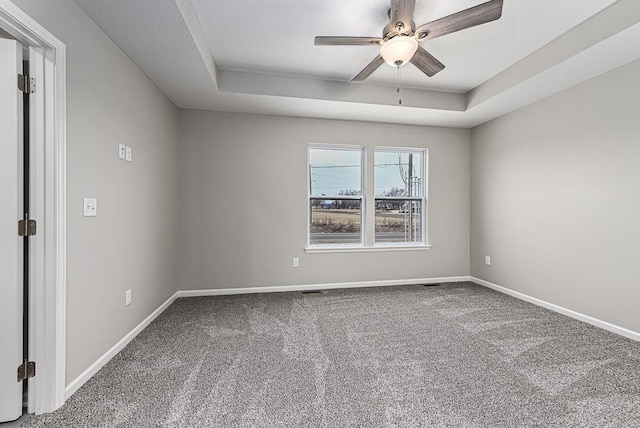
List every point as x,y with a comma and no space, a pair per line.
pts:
47,303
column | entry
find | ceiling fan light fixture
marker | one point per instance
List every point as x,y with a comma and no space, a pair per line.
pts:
400,49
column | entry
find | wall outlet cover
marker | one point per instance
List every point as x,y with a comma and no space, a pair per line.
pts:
122,151
90,207
129,154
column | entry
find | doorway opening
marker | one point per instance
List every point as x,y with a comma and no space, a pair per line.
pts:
38,197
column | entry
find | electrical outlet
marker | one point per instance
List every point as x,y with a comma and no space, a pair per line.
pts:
296,262
487,260
122,151
127,297
129,153
90,207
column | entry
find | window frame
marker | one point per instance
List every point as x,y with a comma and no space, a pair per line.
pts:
361,197
368,198
422,199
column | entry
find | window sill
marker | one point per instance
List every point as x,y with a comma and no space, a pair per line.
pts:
362,249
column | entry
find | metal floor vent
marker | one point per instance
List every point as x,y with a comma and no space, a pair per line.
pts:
315,292
432,285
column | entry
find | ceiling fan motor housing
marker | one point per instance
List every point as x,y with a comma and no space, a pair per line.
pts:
391,31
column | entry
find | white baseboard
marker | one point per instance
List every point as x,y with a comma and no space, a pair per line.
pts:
308,287
75,384
561,310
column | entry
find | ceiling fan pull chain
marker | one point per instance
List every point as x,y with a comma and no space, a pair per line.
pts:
399,86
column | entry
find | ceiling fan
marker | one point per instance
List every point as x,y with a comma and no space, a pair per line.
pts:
399,41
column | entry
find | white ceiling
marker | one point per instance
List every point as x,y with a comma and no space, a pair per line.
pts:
258,56
281,33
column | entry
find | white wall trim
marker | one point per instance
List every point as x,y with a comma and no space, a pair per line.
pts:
307,287
561,310
48,260
75,384
113,351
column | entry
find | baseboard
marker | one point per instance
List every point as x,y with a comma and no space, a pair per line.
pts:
75,384
307,287
561,310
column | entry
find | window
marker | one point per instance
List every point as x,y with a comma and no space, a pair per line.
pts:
399,196
346,214
335,195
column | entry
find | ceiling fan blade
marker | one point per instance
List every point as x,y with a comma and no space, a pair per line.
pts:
481,14
346,41
402,14
426,62
366,72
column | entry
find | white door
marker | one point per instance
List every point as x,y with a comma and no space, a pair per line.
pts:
10,243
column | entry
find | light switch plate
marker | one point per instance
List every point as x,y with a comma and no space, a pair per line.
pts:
90,207
129,154
122,151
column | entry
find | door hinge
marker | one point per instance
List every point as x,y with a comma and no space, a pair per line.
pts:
26,228
26,370
27,84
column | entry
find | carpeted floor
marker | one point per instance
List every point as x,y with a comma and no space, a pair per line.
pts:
454,355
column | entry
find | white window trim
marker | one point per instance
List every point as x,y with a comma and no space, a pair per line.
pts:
424,244
318,249
368,194
362,197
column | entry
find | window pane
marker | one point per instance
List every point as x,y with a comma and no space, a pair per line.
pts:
398,173
335,221
398,221
335,172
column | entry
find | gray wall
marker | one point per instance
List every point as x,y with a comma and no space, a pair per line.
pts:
554,196
131,242
555,199
243,198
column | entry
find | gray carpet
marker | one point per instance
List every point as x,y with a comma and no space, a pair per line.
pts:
455,355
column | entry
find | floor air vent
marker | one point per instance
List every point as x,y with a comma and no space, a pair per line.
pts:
315,292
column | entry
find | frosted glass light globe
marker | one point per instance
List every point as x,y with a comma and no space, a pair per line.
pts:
400,48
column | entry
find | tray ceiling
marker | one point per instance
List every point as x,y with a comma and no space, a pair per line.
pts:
258,56
280,34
